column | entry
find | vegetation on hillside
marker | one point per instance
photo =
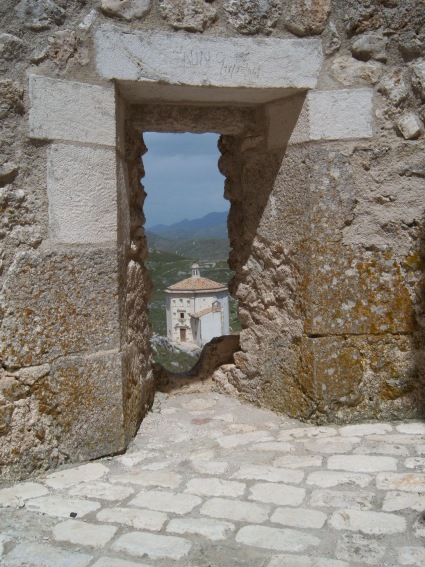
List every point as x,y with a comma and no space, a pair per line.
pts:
207,249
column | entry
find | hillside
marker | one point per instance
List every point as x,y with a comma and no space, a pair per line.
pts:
198,239
205,249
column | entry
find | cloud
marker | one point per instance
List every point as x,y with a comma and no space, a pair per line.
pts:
182,178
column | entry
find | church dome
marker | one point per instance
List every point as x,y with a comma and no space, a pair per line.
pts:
196,284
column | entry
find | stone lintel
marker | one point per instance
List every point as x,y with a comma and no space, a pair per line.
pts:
247,64
229,120
71,111
335,115
81,185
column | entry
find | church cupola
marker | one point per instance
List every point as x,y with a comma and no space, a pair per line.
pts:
195,271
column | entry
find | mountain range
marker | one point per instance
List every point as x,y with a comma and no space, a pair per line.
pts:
204,238
213,225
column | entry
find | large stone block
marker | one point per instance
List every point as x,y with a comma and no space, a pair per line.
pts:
227,120
341,114
67,110
83,396
57,303
207,61
389,198
339,378
331,375
346,378
335,115
313,198
355,293
82,190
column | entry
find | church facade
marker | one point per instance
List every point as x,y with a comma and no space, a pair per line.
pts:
197,309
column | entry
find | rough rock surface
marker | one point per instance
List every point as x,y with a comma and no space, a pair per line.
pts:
370,45
411,44
218,352
126,9
418,78
41,15
8,172
410,126
349,71
252,16
11,47
395,86
11,97
29,439
63,46
306,17
313,314
70,395
190,15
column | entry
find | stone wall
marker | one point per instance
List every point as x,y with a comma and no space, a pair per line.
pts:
321,107
331,295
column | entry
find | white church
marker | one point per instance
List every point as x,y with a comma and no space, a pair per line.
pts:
197,309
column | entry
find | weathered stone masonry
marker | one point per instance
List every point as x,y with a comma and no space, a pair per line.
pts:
320,105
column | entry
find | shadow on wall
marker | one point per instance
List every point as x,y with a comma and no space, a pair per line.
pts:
251,165
418,338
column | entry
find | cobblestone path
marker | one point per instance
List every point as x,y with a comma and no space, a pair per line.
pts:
212,482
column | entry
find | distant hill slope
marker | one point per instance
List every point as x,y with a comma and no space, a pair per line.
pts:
202,249
213,225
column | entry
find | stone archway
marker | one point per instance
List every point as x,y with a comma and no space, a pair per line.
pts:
91,317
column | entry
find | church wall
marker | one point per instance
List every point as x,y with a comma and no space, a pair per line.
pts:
223,298
211,324
326,220
176,305
189,302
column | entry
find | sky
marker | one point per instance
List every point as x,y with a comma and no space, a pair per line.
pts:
181,177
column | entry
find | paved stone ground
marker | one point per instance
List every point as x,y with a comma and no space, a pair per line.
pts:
212,482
